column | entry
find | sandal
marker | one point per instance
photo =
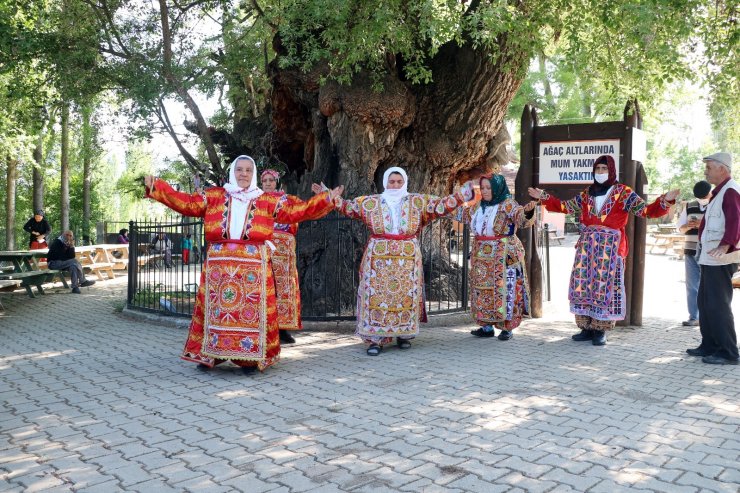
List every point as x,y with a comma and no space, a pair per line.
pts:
403,343
374,350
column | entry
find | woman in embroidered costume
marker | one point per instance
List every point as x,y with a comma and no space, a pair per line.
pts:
390,296
235,315
284,267
499,291
596,292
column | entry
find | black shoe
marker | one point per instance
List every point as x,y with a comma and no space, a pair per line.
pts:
599,338
482,333
249,370
719,360
374,350
505,335
76,291
86,283
697,352
402,343
584,335
203,367
286,337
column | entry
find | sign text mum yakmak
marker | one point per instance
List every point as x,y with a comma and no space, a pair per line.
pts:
572,162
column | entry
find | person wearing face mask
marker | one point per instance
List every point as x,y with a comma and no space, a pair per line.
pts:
390,295
284,266
596,291
235,314
499,291
688,224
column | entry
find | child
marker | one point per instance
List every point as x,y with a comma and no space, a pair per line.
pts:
187,244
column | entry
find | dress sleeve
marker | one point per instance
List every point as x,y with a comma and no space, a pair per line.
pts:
435,207
519,216
193,205
294,210
570,206
350,208
634,204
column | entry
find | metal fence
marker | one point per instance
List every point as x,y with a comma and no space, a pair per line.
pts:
543,249
329,252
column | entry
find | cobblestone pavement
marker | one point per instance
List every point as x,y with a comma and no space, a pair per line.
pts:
94,401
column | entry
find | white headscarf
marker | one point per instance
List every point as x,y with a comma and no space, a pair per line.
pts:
233,188
394,196
242,198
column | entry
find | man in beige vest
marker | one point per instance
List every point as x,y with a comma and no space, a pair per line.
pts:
719,255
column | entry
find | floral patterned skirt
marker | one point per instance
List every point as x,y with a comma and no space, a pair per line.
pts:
235,315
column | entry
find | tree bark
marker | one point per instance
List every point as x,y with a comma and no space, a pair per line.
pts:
12,179
38,173
442,133
64,196
87,151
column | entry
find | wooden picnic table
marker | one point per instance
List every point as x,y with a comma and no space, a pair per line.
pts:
26,269
672,242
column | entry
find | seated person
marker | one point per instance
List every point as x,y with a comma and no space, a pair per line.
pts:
123,237
162,244
62,257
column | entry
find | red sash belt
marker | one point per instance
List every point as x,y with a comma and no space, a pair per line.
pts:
492,238
393,237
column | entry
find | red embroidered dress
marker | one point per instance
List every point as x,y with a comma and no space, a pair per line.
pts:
286,276
597,281
235,315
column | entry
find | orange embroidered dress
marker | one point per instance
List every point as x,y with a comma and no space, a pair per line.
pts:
286,277
235,315
390,295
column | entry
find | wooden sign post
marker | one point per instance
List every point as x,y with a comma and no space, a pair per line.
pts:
559,159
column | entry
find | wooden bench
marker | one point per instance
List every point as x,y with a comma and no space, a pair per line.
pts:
8,285
98,268
150,260
30,278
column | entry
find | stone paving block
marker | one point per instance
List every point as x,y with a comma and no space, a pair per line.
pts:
154,485
250,483
106,487
703,483
132,473
526,468
578,482
515,478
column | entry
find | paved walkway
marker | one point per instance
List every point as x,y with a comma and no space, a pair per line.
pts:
95,401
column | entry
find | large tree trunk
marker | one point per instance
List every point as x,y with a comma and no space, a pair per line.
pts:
87,151
441,133
12,179
38,173
64,198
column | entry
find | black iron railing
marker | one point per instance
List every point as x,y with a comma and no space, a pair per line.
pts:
329,253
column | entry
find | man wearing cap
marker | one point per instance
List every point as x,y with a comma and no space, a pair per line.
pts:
688,224
719,255
38,228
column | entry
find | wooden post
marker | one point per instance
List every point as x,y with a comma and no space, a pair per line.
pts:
638,262
524,180
629,178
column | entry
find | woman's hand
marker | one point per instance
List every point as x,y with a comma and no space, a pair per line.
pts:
149,181
671,196
336,192
530,206
317,189
535,193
